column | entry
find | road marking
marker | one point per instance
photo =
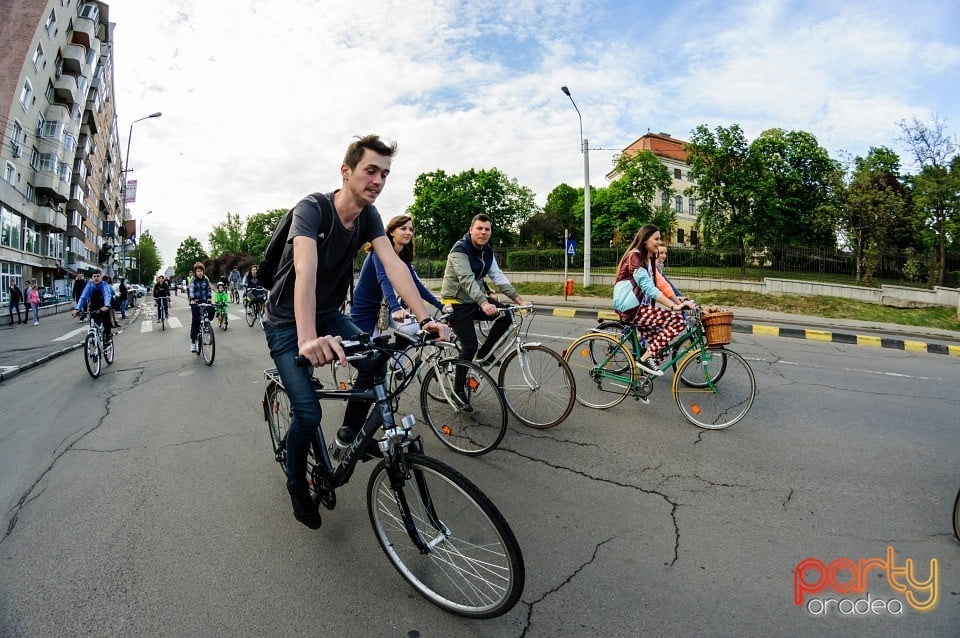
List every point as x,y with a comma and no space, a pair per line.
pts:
175,323
71,334
819,335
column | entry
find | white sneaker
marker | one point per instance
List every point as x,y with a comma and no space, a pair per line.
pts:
650,367
193,346
36,323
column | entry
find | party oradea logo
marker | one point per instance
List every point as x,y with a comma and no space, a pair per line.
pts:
814,582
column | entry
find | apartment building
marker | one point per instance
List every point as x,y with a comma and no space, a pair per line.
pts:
672,154
60,195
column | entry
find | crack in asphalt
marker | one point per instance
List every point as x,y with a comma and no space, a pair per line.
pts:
673,504
29,496
552,438
786,501
554,590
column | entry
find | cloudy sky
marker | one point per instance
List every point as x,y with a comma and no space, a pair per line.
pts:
260,99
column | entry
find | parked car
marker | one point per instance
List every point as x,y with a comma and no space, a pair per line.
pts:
47,295
131,294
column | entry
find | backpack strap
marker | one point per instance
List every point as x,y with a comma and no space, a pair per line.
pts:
323,203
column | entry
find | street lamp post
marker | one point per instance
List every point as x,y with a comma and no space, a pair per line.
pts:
586,193
140,248
126,169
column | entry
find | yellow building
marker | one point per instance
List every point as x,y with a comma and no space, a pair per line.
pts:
673,155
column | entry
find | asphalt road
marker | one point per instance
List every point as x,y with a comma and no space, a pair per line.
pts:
147,503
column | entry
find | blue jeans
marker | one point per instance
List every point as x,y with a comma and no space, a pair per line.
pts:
123,309
36,312
307,414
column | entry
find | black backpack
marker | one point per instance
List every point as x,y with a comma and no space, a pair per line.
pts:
271,270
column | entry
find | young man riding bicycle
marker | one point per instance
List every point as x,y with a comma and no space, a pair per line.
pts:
98,293
302,311
471,260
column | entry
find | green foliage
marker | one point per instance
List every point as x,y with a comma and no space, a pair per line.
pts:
189,252
148,258
227,237
444,205
259,229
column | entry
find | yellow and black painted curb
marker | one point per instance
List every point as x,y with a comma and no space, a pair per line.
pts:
829,336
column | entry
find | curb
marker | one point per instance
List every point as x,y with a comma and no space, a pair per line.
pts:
14,371
792,333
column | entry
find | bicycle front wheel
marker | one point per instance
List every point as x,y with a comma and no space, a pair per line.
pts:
91,355
538,386
251,313
956,517
603,370
473,565
471,421
208,343
709,404
714,365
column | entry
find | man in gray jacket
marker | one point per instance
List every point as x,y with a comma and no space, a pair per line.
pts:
470,261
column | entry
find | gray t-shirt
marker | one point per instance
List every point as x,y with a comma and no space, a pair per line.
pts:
335,257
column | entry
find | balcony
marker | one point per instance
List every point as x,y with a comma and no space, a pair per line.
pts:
48,183
84,31
83,147
76,203
65,90
46,216
74,59
90,125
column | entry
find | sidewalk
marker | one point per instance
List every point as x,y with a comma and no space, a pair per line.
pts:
24,346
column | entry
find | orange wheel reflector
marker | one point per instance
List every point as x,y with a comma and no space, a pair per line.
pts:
473,383
446,430
585,352
695,408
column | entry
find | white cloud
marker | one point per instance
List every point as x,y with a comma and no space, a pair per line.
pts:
260,100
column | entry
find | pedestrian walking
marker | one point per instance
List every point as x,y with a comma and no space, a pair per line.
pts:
123,298
78,285
33,298
16,296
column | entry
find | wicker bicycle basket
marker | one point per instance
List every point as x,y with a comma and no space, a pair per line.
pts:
718,328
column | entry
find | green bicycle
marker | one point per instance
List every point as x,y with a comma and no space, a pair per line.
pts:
713,386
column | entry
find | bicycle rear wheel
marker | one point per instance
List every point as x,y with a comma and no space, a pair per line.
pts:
473,566
709,404
277,411
603,370
208,343
110,349
91,355
471,428
251,313
538,386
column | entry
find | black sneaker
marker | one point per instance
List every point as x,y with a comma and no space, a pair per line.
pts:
463,402
650,367
305,509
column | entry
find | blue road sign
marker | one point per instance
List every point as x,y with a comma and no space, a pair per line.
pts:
571,247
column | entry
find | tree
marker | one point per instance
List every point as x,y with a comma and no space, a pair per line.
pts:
148,258
226,238
724,173
797,192
190,252
444,205
259,230
936,187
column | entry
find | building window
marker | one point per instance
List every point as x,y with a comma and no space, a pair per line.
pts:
9,228
49,92
9,272
51,22
693,207
664,197
30,194
9,173
26,94
90,11
679,235
693,237
38,57
31,237
676,173
51,129
678,204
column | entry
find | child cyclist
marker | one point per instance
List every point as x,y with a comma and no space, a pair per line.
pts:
220,300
